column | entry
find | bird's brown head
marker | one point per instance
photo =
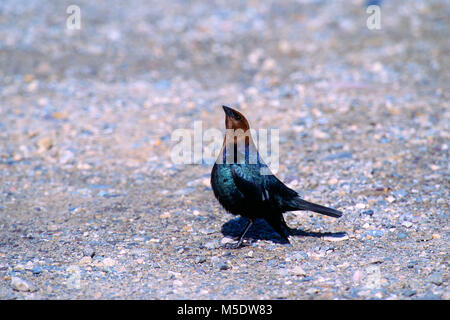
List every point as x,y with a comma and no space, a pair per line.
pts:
235,120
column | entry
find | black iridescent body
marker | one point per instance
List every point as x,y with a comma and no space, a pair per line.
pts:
244,187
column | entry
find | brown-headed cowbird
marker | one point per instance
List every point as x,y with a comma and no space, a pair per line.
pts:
244,185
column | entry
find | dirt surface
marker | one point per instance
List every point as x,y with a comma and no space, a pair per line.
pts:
93,207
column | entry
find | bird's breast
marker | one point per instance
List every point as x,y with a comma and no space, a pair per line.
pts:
225,189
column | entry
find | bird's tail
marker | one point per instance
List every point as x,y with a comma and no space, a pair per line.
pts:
301,204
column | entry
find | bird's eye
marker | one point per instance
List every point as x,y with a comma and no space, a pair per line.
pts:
237,117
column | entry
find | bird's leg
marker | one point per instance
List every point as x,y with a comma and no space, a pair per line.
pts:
241,237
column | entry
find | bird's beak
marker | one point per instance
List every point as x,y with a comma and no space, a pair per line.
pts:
228,111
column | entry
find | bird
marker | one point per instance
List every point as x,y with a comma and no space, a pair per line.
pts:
244,185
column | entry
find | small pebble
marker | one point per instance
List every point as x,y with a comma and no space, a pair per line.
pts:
337,156
200,259
298,271
211,245
44,144
332,181
36,269
19,284
226,240
223,265
165,215
401,235
85,260
390,199
407,224
409,293
108,262
52,227
360,206
207,231
436,278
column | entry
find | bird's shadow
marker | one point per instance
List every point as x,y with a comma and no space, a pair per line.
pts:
261,230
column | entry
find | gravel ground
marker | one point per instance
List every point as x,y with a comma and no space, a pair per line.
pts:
92,207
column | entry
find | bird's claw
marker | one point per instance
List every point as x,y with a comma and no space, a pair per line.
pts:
235,245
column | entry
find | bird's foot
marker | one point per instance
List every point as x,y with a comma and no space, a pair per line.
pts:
235,245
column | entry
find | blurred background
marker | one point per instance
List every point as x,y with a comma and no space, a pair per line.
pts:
86,117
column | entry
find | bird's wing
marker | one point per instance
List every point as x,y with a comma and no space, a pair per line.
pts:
278,188
249,181
260,188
